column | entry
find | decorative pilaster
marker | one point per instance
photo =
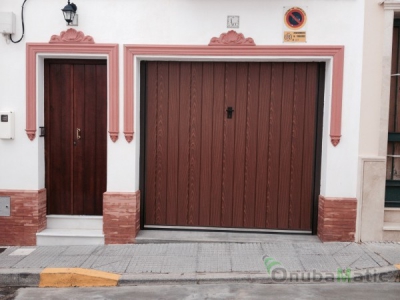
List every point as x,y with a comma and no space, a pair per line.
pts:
337,219
121,217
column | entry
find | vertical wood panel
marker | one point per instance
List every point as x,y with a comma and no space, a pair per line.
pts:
184,143
206,144
297,145
229,146
286,146
217,144
88,131
195,147
252,120
239,156
173,144
309,145
162,143
81,89
151,142
262,181
59,138
274,145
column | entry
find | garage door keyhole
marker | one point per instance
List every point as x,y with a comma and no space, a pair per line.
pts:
229,111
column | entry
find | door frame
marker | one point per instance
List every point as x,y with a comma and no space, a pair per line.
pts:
81,47
316,169
333,56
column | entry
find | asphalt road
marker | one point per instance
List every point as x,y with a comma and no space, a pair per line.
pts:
221,291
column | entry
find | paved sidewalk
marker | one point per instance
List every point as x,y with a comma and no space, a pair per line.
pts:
172,261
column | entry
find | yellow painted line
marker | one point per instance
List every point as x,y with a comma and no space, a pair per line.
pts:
397,266
68,277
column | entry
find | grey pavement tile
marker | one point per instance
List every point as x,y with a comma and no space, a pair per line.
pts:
116,250
214,264
145,264
364,262
214,249
375,257
182,249
356,261
116,264
80,250
150,249
246,249
388,251
334,247
36,261
68,261
179,265
309,249
115,267
350,248
284,249
7,261
48,250
323,263
253,263
290,263
89,262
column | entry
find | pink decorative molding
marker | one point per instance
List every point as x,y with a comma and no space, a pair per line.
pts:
132,54
33,50
231,38
72,36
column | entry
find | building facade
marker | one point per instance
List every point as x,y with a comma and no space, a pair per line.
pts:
263,116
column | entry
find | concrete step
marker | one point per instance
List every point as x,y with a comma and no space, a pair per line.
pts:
391,231
69,237
185,236
74,222
392,215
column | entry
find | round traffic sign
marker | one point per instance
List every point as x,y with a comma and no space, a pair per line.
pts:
295,18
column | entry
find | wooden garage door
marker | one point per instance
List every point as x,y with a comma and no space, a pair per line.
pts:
230,145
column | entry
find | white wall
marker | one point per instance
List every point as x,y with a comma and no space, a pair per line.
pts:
179,22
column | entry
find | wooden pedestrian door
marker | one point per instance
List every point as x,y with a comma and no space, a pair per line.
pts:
231,145
76,135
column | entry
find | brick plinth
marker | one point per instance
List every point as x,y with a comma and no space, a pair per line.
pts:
27,217
337,219
121,217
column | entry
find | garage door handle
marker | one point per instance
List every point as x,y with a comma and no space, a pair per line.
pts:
229,111
78,134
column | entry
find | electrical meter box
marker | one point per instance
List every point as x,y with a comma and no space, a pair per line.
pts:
7,125
7,22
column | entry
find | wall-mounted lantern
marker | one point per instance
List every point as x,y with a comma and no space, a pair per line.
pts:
69,12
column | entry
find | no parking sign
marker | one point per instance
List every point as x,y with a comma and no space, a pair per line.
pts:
295,18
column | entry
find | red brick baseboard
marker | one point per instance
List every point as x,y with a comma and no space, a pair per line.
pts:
27,217
121,217
337,219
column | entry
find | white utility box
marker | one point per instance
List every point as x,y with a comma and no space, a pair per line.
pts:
7,125
7,22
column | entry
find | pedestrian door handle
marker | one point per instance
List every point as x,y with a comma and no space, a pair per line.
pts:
78,133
